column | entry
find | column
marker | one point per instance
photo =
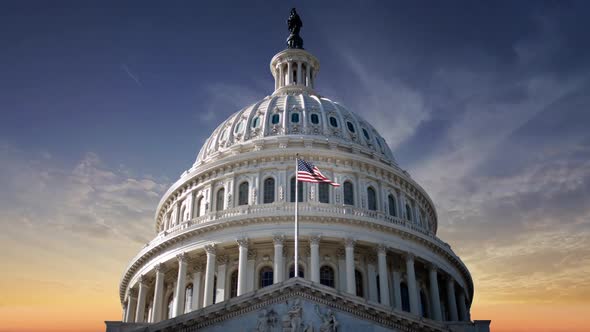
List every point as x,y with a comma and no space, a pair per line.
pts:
143,289
242,265
397,290
131,305
221,270
158,294
341,270
314,247
289,73
277,77
412,290
179,294
451,301
251,268
372,276
279,265
382,266
307,77
350,277
299,74
209,275
462,306
197,275
434,294
281,75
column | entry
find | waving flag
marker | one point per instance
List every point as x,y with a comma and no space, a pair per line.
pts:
307,172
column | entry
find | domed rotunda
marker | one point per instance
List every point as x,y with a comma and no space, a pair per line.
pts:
222,258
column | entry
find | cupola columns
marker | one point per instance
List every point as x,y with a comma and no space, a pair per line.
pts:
294,70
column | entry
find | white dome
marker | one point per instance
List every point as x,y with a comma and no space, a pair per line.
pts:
297,116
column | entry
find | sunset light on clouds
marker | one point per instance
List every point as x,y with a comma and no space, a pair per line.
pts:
104,106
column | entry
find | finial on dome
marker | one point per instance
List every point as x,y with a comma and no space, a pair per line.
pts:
294,23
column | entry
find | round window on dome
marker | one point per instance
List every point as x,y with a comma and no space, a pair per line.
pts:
295,117
333,122
315,119
366,134
275,118
350,126
256,122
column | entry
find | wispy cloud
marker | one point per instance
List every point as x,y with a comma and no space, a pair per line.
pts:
131,75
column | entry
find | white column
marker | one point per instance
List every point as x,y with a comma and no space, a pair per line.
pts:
131,305
383,282
281,75
299,74
462,306
372,276
289,73
179,294
277,77
451,300
242,265
307,76
434,294
350,278
221,270
279,266
341,270
140,310
197,275
209,275
314,246
251,269
397,290
158,294
412,289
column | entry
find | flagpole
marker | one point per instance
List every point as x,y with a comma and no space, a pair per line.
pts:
296,215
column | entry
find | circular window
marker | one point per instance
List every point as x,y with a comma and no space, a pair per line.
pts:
350,126
315,119
275,118
333,122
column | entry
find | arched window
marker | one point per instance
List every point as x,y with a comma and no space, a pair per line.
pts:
348,193
198,207
243,193
275,118
405,297
350,126
324,192
220,198
269,190
327,276
299,191
265,277
233,284
295,117
408,212
188,298
358,278
372,198
169,306
424,305
238,128
255,122
301,272
333,122
391,203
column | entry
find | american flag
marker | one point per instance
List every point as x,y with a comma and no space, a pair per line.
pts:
307,172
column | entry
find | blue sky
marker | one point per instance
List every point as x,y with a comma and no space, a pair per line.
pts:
104,104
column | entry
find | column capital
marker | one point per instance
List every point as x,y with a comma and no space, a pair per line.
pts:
349,242
432,267
223,259
132,292
278,239
251,254
182,258
340,253
142,280
243,242
381,249
198,267
210,249
314,239
159,268
410,257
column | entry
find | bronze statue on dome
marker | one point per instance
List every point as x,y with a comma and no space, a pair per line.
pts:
294,24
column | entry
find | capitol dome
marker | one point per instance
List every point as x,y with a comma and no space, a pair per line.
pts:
224,242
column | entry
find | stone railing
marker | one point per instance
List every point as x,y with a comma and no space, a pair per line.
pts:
288,208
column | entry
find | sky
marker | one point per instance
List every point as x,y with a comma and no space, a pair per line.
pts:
104,104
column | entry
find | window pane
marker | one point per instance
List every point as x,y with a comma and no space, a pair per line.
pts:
348,193
333,122
220,197
266,276
358,278
276,118
295,117
269,190
371,198
350,126
324,192
299,191
391,203
243,194
327,276
366,133
255,122
315,119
